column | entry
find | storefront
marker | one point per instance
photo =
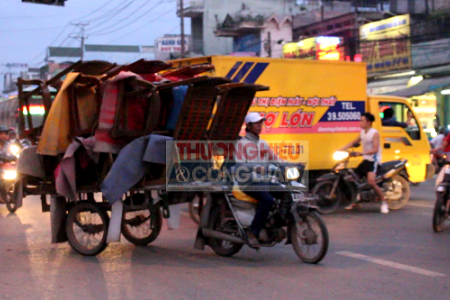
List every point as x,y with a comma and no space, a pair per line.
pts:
429,103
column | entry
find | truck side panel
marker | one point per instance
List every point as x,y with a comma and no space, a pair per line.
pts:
308,101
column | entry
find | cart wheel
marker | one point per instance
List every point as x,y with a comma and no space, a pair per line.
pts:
137,226
87,228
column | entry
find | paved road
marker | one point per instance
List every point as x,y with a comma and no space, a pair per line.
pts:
371,256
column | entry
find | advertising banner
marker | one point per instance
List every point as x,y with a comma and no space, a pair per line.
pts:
317,48
385,45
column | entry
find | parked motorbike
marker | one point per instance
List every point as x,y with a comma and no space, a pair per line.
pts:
441,210
8,177
343,183
226,217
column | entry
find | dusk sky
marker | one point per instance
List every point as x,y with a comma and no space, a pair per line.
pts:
26,29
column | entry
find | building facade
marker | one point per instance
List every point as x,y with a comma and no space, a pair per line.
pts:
206,15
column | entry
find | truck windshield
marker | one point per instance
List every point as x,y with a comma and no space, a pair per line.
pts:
395,114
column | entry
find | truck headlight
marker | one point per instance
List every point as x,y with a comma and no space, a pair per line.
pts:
292,173
340,155
10,175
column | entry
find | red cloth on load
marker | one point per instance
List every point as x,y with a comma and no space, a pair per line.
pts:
136,114
150,77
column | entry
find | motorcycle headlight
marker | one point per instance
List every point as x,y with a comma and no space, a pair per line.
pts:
14,149
10,175
292,173
340,155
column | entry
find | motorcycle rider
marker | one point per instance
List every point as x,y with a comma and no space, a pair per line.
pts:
370,140
436,142
257,165
4,145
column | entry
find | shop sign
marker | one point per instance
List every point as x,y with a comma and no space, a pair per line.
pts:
171,44
320,48
385,45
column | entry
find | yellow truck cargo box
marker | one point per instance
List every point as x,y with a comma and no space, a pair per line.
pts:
321,103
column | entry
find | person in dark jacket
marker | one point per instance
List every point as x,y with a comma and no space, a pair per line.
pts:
389,120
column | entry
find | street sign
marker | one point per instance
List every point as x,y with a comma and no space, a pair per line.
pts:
48,2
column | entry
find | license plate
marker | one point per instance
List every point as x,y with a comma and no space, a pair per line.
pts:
441,188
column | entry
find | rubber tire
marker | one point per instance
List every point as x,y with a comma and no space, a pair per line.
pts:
194,216
71,235
405,184
144,241
216,244
325,236
335,205
438,225
7,198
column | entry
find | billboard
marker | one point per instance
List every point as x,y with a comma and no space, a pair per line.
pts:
385,45
317,48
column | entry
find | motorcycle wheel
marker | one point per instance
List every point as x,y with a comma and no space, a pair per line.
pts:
400,196
9,199
221,247
137,226
439,214
87,228
321,190
308,235
195,208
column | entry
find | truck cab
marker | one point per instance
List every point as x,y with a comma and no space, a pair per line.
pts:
402,142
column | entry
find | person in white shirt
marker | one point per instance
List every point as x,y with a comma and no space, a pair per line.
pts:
370,140
436,142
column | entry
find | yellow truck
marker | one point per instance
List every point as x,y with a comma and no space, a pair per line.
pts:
321,102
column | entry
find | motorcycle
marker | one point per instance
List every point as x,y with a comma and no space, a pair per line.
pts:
343,183
441,210
226,217
8,178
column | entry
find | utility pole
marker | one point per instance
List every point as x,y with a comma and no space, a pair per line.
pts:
182,28
269,41
81,35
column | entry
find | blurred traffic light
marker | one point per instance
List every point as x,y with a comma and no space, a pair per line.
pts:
48,2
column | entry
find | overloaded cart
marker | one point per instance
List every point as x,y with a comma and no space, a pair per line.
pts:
102,145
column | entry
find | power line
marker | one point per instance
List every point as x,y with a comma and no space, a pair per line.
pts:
120,20
102,31
45,50
113,12
134,31
94,11
31,29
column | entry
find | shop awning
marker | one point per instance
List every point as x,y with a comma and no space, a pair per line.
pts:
387,86
422,87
